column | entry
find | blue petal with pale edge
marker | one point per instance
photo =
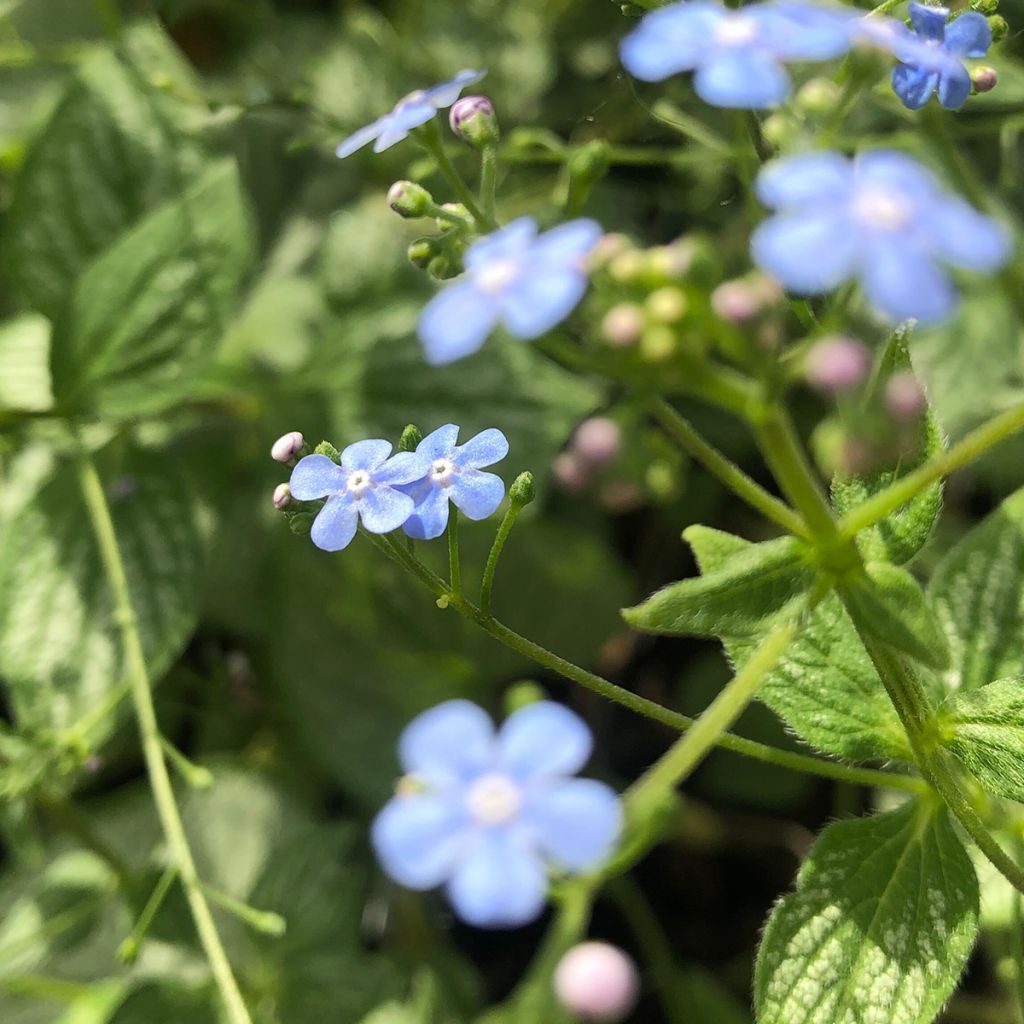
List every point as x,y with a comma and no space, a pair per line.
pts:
406,116
508,243
808,253
904,282
420,839
383,509
445,94
335,524
453,740
800,179
543,739
954,87
670,40
742,77
440,443
913,85
799,31
485,449
929,22
541,298
577,822
888,169
316,476
501,884
970,35
361,138
403,468
477,494
456,322
568,244
962,236
430,516
366,455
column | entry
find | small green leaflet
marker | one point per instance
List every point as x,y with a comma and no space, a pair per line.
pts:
984,728
25,363
879,928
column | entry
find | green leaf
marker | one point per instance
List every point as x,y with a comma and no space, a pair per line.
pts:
879,928
24,364
146,314
752,587
976,595
891,605
115,148
985,729
825,686
60,651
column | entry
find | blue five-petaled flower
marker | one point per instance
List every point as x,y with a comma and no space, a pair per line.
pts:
415,109
881,218
486,813
527,281
932,59
364,487
738,55
455,475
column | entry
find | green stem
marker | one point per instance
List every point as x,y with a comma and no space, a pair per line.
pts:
504,529
681,430
1017,941
159,780
128,951
266,922
488,181
430,137
454,562
193,774
976,443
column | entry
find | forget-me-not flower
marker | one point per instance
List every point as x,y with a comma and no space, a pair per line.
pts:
738,55
932,60
455,475
881,218
364,487
486,813
415,109
527,281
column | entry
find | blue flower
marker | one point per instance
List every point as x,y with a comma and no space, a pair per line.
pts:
932,60
486,814
529,282
738,55
881,218
365,486
455,475
417,108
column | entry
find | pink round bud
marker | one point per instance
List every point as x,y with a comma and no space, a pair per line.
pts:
287,446
623,324
837,365
984,79
472,119
597,982
736,301
904,397
570,473
282,496
597,441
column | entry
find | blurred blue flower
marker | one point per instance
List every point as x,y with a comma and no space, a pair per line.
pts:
415,109
738,55
881,218
486,813
455,475
365,486
529,282
932,56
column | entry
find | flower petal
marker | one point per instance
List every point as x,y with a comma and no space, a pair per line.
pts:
808,253
440,443
453,740
430,517
913,85
670,40
361,138
540,299
383,509
577,822
420,839
403,468
335,524
954,87
477,494
568,244
962,236
456,322
502,884
888,169
800,179
445,94
903,281
742,77
406,116
929,22
366,454
485,449
316,476
543,739
801,31
969,35
509,242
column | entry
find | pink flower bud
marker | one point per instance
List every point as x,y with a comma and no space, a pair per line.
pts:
287,447
282,496
984,79
837,365
597,982
623,324
904,397
570,473
472,119
736,301
597,441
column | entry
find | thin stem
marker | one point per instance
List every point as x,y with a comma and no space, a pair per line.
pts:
683,433
195,775
454,562
1017,941
897,494
504,529
128,951
159,780
264,921
430,137
488,181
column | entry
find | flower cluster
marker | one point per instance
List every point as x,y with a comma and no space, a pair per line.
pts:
487,813
409,489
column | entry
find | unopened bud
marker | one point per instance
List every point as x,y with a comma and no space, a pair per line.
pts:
985,6
666,305
904,397
607,248
444,266
627,266
818,97
597,982
673,261
837,365
623,324
521,694
658,344
597,440
328,449
779,130
408,199
421,252
736,301
998,24
984,79
454,210
523,489
282,496
570,473
473,120
410,439
288,447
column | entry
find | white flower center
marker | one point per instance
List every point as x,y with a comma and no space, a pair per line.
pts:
359,483
497,275
736,31
887,211
494,800
442,472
